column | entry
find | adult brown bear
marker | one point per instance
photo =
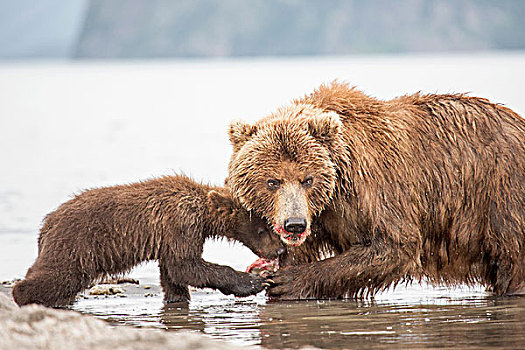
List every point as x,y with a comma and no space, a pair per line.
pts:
419,186
109,230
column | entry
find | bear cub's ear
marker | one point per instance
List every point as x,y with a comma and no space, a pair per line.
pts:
239,133
325,127
222,202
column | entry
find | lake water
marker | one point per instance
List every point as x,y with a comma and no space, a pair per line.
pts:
65,127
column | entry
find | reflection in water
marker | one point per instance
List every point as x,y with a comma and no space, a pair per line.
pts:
179,317
224,318
409,318
475,323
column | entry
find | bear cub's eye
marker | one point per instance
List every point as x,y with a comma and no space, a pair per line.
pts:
308,181
273,184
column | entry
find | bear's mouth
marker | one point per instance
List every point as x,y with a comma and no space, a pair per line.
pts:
290,238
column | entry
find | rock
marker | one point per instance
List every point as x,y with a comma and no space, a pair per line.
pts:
38,327
10,283
6,303
105,290
119,280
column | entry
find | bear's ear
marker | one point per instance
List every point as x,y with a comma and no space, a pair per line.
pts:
222,202
239,133
325,127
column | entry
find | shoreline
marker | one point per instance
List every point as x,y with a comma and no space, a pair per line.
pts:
38,327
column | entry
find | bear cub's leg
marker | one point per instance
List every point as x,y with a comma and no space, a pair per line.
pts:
50,284
174,292
202,274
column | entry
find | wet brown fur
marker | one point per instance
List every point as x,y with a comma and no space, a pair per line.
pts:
424,186
110,230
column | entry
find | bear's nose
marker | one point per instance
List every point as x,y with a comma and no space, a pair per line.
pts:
295,225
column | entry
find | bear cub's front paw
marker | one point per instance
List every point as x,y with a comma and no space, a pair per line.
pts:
244,284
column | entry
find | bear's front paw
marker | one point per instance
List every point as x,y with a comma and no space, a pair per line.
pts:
285,285
245,284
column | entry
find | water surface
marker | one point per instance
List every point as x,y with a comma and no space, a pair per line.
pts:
408,317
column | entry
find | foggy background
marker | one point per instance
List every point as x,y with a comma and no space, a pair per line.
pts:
232,28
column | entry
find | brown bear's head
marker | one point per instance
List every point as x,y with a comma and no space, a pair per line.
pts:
282,167
242,226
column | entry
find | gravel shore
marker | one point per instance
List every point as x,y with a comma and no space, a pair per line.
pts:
38,327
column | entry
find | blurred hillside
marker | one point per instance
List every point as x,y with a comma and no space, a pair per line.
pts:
219,28
40,28
189,28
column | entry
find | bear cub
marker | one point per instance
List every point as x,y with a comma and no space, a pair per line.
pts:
107,231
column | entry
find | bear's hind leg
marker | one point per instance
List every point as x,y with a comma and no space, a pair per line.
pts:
50,285
173,292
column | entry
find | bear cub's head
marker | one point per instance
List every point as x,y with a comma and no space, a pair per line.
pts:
282,167
241,226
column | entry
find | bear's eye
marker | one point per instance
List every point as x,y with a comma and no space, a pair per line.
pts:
308,181
273,184
261,231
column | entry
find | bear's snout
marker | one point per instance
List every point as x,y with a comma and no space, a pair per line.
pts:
292,220
295,225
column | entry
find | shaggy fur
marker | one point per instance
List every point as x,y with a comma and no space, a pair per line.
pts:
419,186
110,230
